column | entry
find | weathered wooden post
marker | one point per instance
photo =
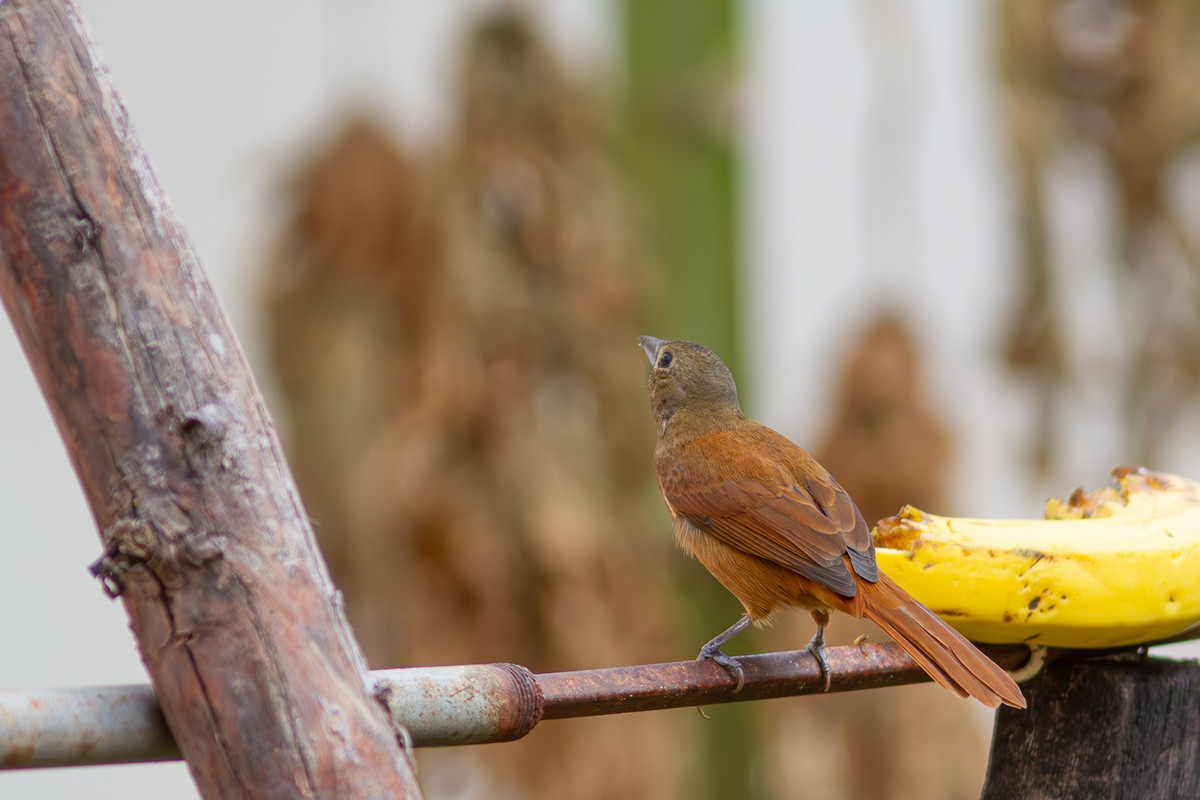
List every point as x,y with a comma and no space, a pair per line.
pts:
204,536
1116,727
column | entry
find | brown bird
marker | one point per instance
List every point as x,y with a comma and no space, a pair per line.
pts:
779,532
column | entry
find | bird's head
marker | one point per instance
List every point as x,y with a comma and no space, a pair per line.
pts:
689,381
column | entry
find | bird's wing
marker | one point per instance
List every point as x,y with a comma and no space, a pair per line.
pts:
744,488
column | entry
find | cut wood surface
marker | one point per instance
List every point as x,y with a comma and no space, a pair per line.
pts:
204,537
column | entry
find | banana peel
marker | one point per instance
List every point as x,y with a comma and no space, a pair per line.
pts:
1117,566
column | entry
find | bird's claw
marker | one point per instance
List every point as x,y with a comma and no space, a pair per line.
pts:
728,663
816,646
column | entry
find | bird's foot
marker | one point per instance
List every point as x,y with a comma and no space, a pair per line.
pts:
728,663
713,650
816,646
860,639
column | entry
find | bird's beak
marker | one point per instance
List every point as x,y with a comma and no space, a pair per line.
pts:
650,345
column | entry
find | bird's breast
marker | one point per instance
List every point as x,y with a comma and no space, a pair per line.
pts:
762,586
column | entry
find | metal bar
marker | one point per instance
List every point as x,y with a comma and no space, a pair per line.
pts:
692,683
99,725
461,705
471,704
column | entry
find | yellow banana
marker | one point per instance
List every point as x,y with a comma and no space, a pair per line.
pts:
1115,566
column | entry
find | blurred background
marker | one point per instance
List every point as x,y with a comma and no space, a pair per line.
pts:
949,247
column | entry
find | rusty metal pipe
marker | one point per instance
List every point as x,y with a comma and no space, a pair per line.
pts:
470,704
473,704
66,727
696,683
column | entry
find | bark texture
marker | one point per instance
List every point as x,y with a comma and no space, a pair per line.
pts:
1119,727
204,536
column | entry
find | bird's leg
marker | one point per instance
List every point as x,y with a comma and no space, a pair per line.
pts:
816,645
713,650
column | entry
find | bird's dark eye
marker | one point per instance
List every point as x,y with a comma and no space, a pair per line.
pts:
665,360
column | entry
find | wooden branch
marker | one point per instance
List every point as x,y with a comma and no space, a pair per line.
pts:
261,682
1124,726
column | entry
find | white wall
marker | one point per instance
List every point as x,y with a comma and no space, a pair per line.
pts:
877,176
873,167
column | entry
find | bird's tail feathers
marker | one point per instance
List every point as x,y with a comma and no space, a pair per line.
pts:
943,652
